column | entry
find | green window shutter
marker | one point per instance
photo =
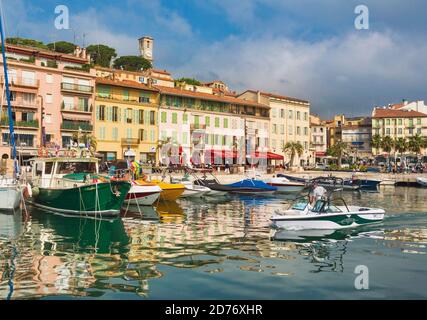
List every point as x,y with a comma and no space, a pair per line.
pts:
164,117
174,118
184,137
97,112
119,115
184,118
103,91
225,123
152,135
216,122
208,121
136,116
147,117
196,120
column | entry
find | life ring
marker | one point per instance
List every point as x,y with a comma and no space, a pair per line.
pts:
43,153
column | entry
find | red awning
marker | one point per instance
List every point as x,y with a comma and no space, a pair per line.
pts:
269,155
320,154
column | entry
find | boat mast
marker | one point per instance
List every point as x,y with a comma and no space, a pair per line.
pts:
9,108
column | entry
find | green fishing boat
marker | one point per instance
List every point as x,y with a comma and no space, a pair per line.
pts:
73,186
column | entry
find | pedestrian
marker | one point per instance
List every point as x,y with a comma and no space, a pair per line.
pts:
227,167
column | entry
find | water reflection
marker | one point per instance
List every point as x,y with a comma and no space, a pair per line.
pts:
50,254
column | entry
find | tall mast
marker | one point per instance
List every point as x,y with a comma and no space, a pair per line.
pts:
9,108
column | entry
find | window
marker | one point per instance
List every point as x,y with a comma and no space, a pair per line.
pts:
290,114
84,104
411,131
216,123
48,166
129,133
305,116
208,121
387,131
298,130
273,113
49,98
174,118
274,128
49,78
399,131
102,133
184,137
27,116
153,117
163,117
185,118
101,113
305,131
144,100
290,130
282,113
282,129
152,135
129,115
400,121
387,121
115,134
115,114
418,120
419,131
411,122
141,80
126,95
141,135
196,121
225,123
141,116
298,115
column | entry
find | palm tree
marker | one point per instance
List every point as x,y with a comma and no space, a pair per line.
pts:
387,145
338,150
400,146
376,142
415,144
293,148
87,139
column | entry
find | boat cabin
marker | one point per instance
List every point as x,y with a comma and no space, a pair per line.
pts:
61,172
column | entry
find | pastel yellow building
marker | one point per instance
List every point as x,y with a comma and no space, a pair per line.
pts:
126,120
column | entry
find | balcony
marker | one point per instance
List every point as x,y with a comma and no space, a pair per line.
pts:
17,82
19,102
76,88
197,127
76,126
20,124
73,108
130,141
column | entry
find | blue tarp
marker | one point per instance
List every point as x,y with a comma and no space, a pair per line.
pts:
252,183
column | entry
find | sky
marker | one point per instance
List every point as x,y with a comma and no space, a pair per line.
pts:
308,49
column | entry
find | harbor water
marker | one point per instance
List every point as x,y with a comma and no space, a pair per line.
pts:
215,248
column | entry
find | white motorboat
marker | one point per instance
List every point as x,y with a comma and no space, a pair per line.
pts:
10,194
326,214
194,190
143,193
422,181
285,185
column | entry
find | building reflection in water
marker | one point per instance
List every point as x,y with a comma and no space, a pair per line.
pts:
55,255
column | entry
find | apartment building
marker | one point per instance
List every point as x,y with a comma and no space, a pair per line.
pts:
357,133
318,137
289,121
59,86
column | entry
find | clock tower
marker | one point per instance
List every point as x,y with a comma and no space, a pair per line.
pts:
146,48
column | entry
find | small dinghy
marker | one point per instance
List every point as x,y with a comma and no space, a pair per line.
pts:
285,185
422,181
325,214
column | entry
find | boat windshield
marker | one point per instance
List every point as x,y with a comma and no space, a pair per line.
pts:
76,167
300,204
323,206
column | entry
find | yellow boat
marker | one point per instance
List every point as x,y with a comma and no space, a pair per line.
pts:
171,191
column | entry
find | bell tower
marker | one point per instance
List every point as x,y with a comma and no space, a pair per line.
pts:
146,47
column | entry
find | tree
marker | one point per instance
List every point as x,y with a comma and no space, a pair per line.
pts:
293,148
132,63
190,81
27,42
101,55
400,145
387,145
338,150
62,46
415,144
86,139
376,142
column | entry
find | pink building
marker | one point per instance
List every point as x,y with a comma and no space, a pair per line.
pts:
61,86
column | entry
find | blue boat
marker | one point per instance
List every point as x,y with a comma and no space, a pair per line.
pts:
251,186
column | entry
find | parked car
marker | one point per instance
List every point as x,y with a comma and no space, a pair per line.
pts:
322,166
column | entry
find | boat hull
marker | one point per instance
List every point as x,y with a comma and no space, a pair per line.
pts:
101,199
422,181
143,195
10,198
328,221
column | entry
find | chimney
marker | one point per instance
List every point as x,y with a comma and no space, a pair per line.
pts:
405,102
258,96
83,55
77,51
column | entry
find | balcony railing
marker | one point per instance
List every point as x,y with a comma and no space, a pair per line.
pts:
197,126
19,102
76,125
74,108
76,88
112,98
20,81
25,124
130,141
